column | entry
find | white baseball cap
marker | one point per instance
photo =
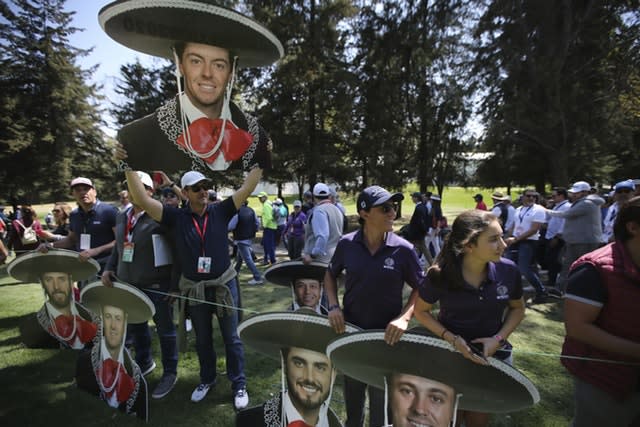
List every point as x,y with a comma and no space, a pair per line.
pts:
579,186
81,181
145,178
321,189
192,178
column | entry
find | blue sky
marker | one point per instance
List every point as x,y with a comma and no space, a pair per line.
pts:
107,54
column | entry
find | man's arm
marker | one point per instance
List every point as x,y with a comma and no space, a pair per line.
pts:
320,224
137,192
535,226
579,321
68,242
394,330
336,318
249,184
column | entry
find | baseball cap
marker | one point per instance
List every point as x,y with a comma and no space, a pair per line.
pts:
436,197
297,203
478,196
321,189
81,181
579,186
627,183
278,201
416,194
376,196
145,178
192,178
167,191
263,194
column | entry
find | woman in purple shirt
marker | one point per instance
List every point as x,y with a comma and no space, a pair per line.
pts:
480,294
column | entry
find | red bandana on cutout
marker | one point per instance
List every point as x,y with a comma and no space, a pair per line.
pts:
108,374
204,135
298,423
85,330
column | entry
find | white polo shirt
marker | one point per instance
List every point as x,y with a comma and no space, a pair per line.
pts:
525,217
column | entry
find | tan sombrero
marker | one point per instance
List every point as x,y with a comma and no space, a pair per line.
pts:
268,333
130,299
495,388
29,267
155,26
285,273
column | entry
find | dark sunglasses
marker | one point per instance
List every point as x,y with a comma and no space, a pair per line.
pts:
388,207
197,188
531,196
55,210
623,190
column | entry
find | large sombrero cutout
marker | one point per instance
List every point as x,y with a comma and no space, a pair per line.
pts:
269,333
155,26
44,329
495,388
30,267
131,300
116,378
286,273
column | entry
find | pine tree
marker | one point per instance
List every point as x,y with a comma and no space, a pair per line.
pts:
50,129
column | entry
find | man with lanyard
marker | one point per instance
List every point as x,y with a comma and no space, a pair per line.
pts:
208,277
553,237
523,244
622,192
377,263
91,225
324,227
143,257
200,128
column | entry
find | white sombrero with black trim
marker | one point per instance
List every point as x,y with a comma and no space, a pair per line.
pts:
31,266
155,26
268,333
495,388
131,300
285,273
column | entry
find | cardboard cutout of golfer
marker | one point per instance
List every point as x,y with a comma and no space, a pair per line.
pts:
61,318
298,339
427,381
201,128
304,280
109,370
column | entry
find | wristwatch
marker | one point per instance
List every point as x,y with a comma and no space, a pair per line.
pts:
500,340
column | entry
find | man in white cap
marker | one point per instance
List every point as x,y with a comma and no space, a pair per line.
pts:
91,225
582,230
143,257
324,227
208,276
201,127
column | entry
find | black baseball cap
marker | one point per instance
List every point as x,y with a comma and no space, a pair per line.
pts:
376,196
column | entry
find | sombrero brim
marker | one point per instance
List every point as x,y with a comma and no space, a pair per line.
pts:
154,27
30,266
284,273
268,333
131,300
494,388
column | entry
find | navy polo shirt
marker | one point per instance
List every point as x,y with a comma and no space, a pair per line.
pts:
189,245
98,222
477,312
374,283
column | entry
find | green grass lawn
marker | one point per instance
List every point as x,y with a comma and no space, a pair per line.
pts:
38,385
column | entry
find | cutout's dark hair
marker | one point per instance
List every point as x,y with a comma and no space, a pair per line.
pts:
446,272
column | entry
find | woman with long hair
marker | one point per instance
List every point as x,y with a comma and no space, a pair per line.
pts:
479,292
61,212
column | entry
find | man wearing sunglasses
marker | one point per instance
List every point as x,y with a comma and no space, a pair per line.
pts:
622,192
208,276
524,242
582,230
378,263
